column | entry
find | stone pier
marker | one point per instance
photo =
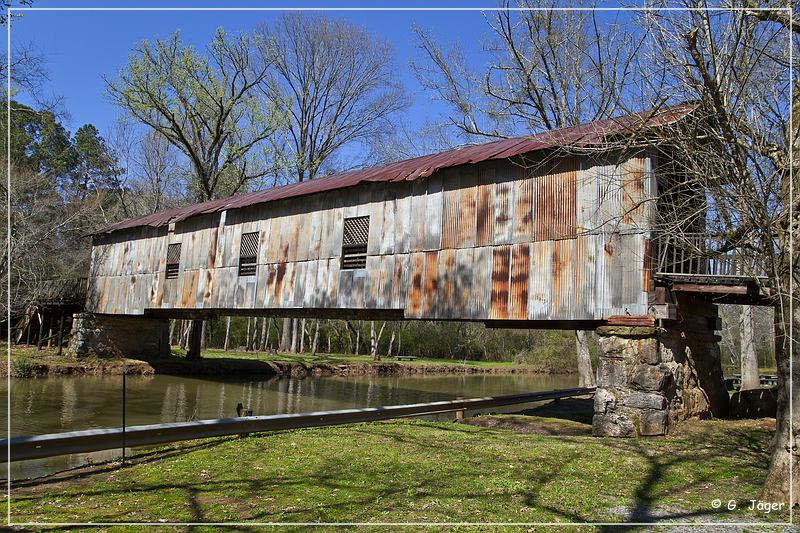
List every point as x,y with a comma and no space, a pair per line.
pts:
651,377
106,336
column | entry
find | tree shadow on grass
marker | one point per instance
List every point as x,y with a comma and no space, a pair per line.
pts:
379,490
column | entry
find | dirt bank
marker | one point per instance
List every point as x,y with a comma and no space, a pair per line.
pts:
220,366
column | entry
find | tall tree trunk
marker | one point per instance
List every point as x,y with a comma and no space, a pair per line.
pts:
585,374
172,332
247,336
358,337
749,359
302,335
227,332
204,329
391,339
375,339
295,323
195,340
776,485
315,343
265,327
286,335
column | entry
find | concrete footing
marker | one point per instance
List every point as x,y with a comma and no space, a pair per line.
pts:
651,377
106,336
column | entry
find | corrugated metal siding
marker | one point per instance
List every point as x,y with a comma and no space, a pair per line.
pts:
480,242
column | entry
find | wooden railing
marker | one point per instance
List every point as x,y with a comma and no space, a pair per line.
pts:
702,254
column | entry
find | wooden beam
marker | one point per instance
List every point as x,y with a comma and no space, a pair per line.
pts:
714,289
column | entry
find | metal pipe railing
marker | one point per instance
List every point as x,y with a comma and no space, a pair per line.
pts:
39,446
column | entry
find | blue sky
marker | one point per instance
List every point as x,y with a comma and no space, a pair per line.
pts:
82,46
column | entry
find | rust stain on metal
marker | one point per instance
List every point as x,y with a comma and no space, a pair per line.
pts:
500,274
558,265
591,134
447,275
415,288
212,250
279,275
429,292
520,272
632,190
523,211
556,201
208,284
466,221
450,218
631,320
485,212
647,264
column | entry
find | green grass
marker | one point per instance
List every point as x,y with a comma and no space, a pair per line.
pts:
417,471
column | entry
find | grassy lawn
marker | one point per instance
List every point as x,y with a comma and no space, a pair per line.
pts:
416,471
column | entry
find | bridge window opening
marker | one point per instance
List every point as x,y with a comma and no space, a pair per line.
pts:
248,254
354,242
173,260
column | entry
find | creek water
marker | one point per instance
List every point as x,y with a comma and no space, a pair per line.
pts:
58,404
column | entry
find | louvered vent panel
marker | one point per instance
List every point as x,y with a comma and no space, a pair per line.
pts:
354,242
173,260
248,253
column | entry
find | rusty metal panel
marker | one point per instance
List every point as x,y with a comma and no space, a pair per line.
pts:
467,223
287,289
632,181
308,289
523,209
402,220
503,208
314,229
429,290
299,285
484,212
501,258
386,236
480,296
320,285
333,282
451,209
563,291
373,281
433,214
326,236
541,276
376,221
587,196
462,283
414,298
265,287
445,284
419,207
400,280
555,200
520,272
278,285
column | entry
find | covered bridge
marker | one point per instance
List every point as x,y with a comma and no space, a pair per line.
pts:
548,230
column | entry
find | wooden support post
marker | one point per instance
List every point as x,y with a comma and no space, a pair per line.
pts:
50,328
61,331
40,315
195,339
28,333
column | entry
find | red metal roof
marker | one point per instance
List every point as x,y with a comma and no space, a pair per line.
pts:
584,135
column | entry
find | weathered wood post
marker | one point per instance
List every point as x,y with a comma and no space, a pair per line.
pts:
40,315
195,340
61,331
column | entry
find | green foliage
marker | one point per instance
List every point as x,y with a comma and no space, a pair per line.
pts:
203,104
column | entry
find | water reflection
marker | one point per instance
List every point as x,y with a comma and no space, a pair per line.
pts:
52,405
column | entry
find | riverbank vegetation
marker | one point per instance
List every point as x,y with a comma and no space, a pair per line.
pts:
415,471
27,362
